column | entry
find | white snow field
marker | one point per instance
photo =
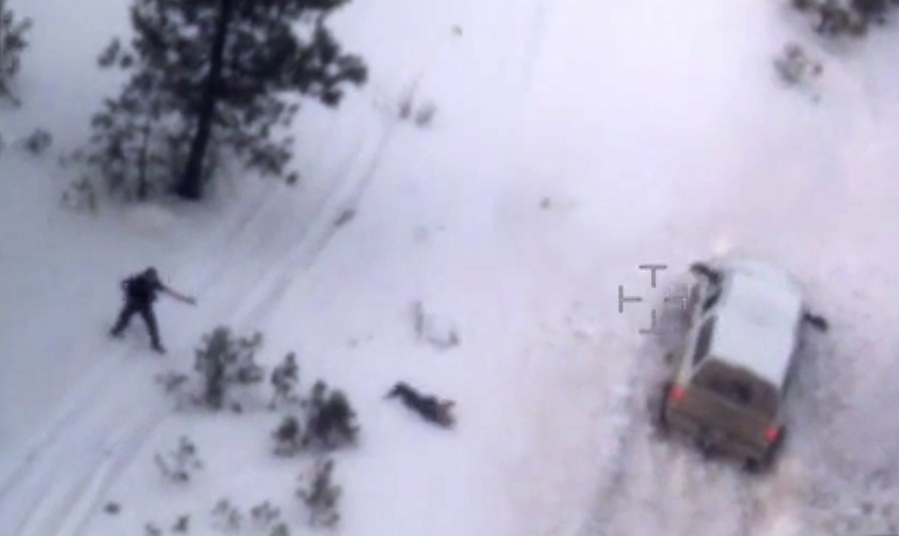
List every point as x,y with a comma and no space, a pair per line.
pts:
573,141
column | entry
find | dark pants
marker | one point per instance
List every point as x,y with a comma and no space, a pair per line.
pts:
145,310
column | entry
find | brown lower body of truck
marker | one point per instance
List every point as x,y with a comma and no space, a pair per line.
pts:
719,426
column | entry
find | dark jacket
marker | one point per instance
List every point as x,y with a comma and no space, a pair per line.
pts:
142,289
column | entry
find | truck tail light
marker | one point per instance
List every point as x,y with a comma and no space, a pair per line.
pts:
677,393
772,433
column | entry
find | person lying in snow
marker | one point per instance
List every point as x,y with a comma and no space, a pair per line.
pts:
141,291
428,407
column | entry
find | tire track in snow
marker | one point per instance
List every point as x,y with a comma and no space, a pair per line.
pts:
288,236
316,237
663,487
46,455
45,513
67,510
75,459
100,373
534,43
319,234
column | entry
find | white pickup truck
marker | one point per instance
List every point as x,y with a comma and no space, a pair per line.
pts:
746,323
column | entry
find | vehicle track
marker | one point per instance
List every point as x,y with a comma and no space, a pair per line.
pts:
67,508
24,494
44,513
101,372
316,237
534,43
664,487
44,495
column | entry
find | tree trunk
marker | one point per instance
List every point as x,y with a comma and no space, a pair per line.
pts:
143,188
2,37
191,185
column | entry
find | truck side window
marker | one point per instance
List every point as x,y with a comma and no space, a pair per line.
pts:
714,295
703,341
694,297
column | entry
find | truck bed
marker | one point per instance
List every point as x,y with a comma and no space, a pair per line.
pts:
724,425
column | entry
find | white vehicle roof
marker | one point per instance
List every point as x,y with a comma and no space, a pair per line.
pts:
758,316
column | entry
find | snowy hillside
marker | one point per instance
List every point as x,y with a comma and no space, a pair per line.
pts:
572,141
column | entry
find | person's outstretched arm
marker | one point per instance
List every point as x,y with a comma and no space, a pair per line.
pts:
178,296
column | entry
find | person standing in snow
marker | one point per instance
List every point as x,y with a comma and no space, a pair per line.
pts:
141,290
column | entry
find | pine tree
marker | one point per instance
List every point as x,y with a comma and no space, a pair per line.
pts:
330,419
12,43
222,73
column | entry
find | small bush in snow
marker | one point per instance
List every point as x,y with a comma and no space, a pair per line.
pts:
112,508
265,515
180,464
795,66
227,517
404,107
80,196
424,116
182,524
439,333
407,109
845,17
285,379
224,362
12,42
288,436
37,142
281,529
330,419
320,495
177,385
797,69
151,529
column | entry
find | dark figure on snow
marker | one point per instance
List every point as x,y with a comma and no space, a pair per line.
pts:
141,290
429,407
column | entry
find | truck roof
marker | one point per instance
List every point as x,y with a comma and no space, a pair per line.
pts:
760,310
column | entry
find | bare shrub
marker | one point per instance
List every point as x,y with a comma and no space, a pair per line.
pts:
265,515
225,361
37,142
112,508
795,67
289,439
408,108
180,464
227,517
424,116
81,196
835,18
285,379
436,331
13,41
320,495
182,524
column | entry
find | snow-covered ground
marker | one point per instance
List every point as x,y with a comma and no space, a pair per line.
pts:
573,141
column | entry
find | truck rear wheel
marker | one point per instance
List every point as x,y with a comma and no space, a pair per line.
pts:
766,463
658,409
